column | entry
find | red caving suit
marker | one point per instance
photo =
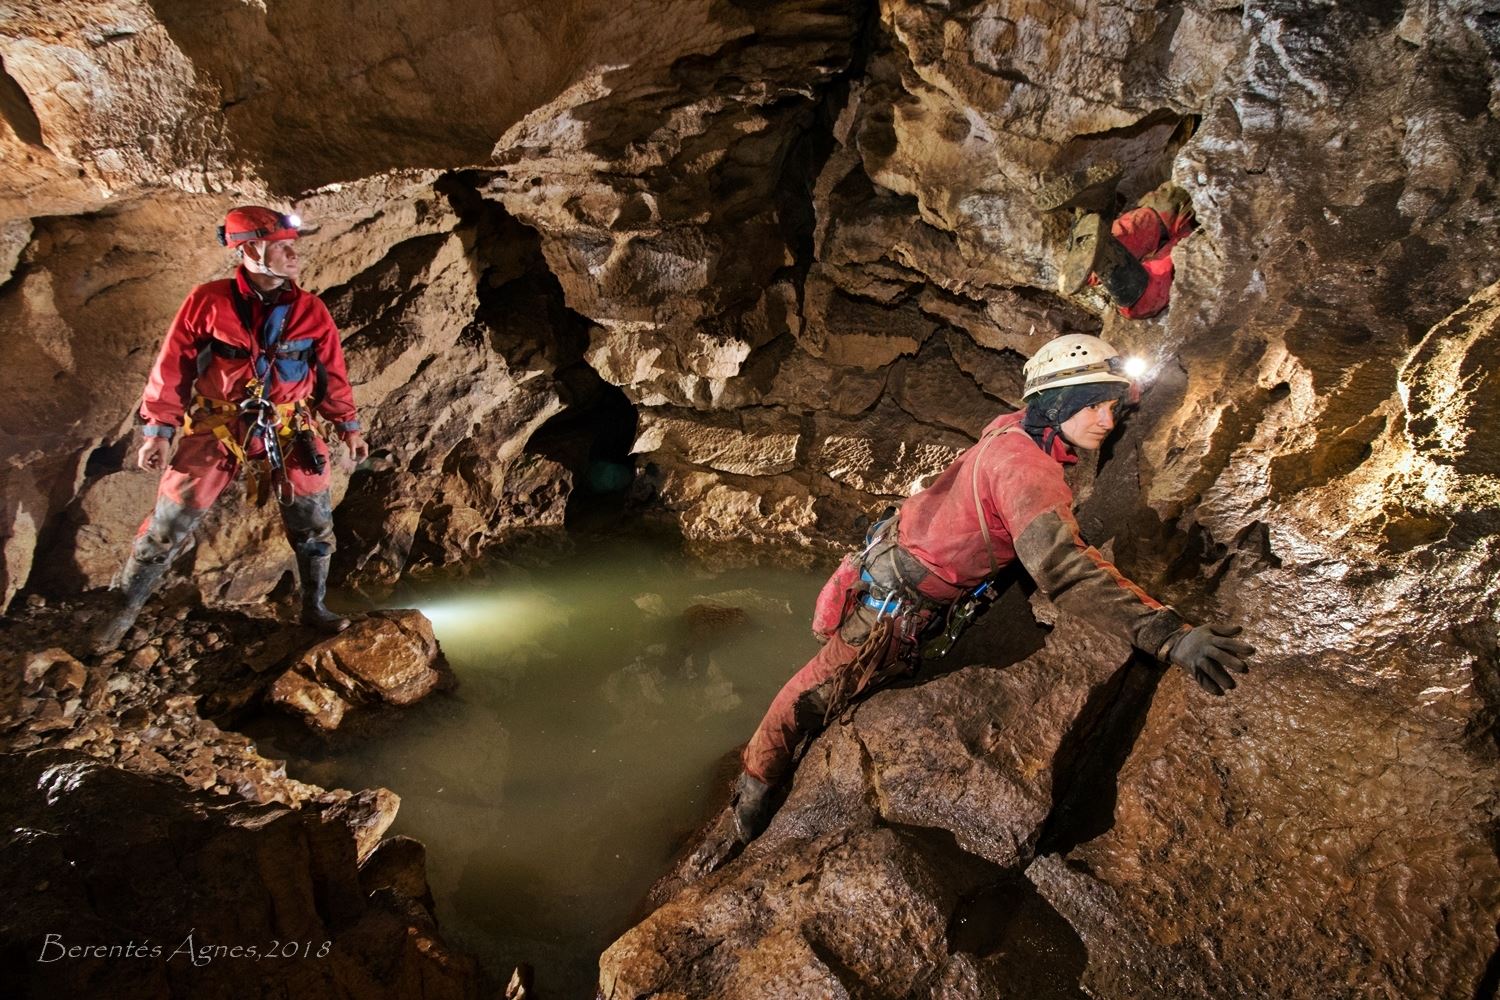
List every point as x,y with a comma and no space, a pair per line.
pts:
202,466
1028,509
1149,235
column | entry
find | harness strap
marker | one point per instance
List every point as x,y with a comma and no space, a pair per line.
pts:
214,347
221,418
895,591
270,338
984,528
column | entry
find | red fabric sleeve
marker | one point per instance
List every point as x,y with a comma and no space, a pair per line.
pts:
1038,509
338,399
170,387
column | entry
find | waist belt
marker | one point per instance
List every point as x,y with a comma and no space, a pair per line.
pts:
221,418
889,575
884,602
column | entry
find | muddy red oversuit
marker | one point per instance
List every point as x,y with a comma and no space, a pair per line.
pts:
211,353
1149,233
941,553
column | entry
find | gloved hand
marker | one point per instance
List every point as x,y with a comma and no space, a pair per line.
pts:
1208,653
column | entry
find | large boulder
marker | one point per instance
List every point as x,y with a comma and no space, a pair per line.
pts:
387,657
925,799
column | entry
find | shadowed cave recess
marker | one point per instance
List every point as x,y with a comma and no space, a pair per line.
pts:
738,274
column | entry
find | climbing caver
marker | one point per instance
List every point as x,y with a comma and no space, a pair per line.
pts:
1130,259
1001,500
246,365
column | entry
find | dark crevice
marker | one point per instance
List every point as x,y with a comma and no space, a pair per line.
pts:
108,458
16,109
1086,768
807,155
1489,985
524,317
1023,948
850,980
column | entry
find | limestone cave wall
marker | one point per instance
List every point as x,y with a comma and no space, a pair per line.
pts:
800,238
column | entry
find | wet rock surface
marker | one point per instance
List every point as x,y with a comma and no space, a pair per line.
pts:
895,824
138,821
790,252
125,885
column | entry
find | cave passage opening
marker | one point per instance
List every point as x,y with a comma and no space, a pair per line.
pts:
593,437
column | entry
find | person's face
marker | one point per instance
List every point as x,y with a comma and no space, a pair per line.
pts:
1088,428
280,257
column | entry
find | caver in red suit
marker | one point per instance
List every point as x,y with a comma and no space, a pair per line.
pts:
1131,260
1004,499
255,336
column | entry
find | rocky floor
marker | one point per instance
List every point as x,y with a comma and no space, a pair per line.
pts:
114,765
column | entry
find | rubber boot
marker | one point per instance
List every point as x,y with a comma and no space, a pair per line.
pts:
313,569
1122,277
137,580
751,806
746,817
1093,249
1085,249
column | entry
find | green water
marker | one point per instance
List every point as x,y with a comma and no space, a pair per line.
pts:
581,745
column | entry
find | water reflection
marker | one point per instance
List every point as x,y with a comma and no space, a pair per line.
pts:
596,697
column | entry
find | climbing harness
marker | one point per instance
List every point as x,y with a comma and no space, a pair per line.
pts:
256,419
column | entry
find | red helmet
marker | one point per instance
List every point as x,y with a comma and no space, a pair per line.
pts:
252,222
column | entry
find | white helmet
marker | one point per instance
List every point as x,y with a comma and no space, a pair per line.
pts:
1075,359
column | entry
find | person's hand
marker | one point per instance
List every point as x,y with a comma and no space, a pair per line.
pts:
1208,653
359,448
154,454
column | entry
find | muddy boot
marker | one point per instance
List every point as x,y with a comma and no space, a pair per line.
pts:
1168,201
137,581
1093,249
747,815
751,805
1085,249
313,569
1122,277
1091,188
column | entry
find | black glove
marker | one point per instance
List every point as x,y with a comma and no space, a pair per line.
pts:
1208,653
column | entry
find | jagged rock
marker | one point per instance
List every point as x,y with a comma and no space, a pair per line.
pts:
806,384
884,453
934,390
852,891
367,814
98,858
399,863
388,657
304,696
55,669
741,450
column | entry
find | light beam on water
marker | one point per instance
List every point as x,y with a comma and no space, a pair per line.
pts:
591,713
